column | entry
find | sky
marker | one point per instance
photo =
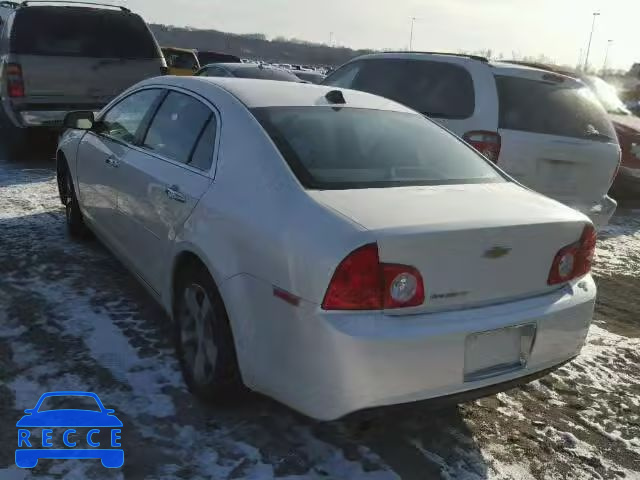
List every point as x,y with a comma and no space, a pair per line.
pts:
558,29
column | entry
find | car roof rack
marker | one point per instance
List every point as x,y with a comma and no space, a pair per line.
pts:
479,58
26,3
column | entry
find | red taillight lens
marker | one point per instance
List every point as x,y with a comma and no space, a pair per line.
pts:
361,282
574,260
487,143
15,83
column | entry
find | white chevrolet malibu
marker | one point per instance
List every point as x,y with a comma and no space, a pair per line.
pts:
329,248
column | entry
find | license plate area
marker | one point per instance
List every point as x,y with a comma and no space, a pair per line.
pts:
496,352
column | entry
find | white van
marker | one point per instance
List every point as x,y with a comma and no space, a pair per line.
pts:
546,130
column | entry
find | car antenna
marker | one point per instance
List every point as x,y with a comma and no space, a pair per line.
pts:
335,96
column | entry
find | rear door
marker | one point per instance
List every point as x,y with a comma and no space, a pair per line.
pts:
163,179
556,137
103,51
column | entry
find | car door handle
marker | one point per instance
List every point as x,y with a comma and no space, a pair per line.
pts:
174,193
112,162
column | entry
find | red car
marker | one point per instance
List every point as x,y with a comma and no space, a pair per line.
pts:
627,125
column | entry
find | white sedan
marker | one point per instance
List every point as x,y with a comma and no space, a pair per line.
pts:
329,248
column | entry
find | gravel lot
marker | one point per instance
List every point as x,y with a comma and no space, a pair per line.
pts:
71,318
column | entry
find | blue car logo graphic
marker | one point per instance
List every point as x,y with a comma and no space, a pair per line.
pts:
30,449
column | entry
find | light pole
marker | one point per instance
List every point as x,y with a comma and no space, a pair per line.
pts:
331,39
593,26
413,19
606,56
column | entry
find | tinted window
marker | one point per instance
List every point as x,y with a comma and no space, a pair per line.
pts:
203,154
436,89
81,32
265,74
344,76
177,126
180,59
124,119
554,107
354,148
608,96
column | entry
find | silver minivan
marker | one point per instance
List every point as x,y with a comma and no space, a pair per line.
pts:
55,58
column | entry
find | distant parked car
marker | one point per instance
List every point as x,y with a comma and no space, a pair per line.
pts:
181,61
627,125
311,77
332,249
246,70
545,129
206,58
57,58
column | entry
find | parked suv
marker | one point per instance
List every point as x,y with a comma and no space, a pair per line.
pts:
55,58
545,129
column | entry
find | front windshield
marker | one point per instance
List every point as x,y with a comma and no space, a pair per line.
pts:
608,96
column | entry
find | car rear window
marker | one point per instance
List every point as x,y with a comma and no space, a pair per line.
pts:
180,59
435,89
81,32
344,148
554,107
264,74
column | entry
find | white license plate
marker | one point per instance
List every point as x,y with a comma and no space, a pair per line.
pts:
496,352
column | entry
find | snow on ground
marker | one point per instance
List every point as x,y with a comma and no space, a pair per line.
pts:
618,249
72,318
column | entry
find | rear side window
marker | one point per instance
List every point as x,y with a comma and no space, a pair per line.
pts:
345,148
435,89
553,107
177,126
81,32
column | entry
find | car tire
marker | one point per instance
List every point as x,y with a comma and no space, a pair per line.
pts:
204,340
75,221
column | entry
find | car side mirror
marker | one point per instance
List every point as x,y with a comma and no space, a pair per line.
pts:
109,411
29,411
82,120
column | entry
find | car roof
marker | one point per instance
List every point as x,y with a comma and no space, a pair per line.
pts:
255,93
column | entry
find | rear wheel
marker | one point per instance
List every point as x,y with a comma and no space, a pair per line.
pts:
203,338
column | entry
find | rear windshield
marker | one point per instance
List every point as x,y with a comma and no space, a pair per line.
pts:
212,57
81,32
264,74
180,59
344,148
554,107
435,89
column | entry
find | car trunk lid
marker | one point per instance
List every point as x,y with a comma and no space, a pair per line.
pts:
472,244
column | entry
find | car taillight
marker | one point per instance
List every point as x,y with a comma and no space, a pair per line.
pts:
361,282
574,260
487,143
15,83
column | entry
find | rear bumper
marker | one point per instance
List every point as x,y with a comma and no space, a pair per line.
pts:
601,212
329,364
